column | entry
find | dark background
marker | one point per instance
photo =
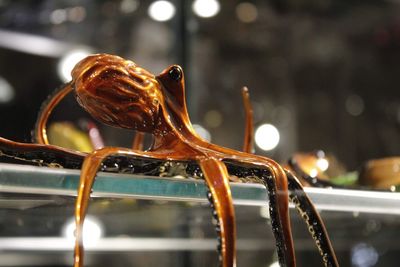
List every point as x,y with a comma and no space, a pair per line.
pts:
324,72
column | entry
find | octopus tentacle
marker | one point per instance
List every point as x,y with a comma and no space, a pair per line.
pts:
137,143
217,179
40,133
40,155
280,220
177,109
303,203
273,177
314,222
90,167
276,184
275,221
162,112
248,144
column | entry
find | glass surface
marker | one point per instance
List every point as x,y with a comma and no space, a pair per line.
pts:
64,182
144,221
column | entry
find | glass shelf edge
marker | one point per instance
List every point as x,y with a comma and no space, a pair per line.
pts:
22,179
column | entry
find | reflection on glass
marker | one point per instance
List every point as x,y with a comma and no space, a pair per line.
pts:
364,255
92,231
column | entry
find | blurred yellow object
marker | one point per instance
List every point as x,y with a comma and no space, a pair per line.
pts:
381,173
66,135
313,164
320,170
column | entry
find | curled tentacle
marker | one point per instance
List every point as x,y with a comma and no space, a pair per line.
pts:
40,133
314,222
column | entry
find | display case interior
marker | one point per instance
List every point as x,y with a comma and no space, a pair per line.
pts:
321,74
153,221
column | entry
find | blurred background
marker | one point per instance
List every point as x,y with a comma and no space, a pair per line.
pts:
323,73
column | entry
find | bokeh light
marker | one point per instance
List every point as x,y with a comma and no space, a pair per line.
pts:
354,105
68,62
7,92
161,10
364,255
323,164
246,12
202,132
92,231
267,137
206,8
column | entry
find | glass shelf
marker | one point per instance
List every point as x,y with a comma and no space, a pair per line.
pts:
64,182
153,221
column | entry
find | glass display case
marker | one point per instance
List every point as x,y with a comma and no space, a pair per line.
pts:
153,221
323,74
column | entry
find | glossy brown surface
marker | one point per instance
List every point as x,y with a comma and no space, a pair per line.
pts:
138,140
40,133
118,92
248,144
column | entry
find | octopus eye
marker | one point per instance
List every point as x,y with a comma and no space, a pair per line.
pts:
175,73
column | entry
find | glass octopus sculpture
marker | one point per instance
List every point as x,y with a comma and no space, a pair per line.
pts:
119,93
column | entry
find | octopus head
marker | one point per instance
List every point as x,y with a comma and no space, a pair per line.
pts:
117,92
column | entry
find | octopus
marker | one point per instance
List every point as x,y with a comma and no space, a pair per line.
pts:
117,92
